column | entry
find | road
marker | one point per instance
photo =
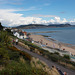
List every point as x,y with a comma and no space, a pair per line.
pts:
48,62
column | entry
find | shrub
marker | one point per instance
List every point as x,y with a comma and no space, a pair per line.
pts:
15,68
14,55
19,68
66,57
32,49
56,53
73,63
3,55
54,58
4,38
25,54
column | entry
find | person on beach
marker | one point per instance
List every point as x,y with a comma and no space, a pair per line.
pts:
16,41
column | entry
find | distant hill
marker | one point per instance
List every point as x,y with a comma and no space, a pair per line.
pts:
59,25
30,26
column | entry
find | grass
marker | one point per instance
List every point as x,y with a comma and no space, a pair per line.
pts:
16,62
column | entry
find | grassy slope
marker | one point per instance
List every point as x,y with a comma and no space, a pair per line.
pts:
16,62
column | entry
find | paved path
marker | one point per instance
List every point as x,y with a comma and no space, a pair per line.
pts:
48,62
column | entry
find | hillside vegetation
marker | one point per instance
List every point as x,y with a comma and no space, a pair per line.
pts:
16,62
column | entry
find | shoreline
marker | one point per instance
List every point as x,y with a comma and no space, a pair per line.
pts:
65,44
51,43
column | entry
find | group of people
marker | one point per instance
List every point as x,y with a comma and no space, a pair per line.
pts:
15,41
61,73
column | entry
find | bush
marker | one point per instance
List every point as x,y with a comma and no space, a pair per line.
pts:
73,63
19,68
54,58
14,55
32,49
15,68
56,53
66,57
4,38
25,54
3,55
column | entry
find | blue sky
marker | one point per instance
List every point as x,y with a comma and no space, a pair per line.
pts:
17,12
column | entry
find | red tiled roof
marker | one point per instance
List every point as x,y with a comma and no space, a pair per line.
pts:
25,33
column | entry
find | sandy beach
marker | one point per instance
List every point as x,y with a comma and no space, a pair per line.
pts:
51,43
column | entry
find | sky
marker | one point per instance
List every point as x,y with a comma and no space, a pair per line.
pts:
24,12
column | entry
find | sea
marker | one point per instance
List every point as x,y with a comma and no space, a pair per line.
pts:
63,34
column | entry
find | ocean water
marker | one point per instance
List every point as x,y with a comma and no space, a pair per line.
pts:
65,34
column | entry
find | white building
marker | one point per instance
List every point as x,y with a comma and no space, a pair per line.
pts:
16,34
4,28
20,35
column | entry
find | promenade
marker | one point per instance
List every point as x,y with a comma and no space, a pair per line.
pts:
48,62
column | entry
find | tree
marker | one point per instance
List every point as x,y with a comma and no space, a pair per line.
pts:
1,27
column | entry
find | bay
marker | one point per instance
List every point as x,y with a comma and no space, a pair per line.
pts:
65,34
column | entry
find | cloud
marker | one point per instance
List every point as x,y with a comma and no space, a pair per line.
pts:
39,15
11,18
31,8
72,22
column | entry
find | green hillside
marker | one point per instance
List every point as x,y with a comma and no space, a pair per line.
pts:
16,62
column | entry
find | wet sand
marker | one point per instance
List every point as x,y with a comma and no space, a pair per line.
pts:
51,43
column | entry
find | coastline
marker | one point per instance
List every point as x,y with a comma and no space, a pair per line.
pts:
52,43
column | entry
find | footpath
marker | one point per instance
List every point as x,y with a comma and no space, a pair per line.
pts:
48,62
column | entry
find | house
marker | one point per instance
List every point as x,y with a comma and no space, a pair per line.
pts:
21,35
16,34
25,34
4,28
16,30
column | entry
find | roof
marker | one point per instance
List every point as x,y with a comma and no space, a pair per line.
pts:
21,34
25,33
14,32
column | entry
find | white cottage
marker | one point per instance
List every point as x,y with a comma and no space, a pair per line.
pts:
16,34
21,35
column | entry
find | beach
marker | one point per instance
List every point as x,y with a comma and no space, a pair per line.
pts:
51,43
